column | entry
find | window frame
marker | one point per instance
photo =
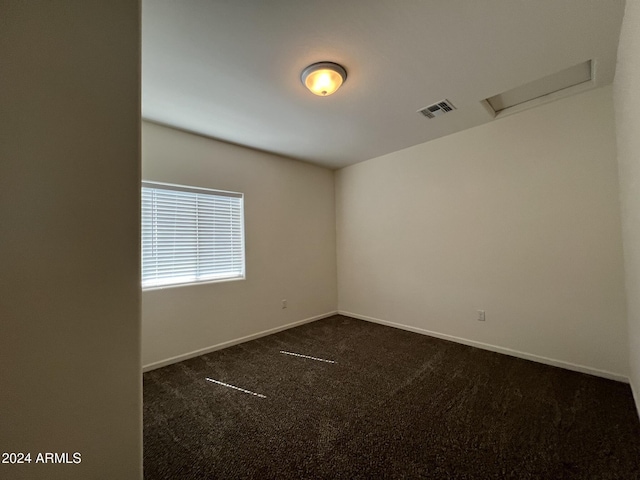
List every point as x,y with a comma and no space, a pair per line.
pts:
201,191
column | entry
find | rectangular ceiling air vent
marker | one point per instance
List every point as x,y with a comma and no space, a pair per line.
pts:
436,109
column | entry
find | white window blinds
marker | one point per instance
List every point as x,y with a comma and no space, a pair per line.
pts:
190,235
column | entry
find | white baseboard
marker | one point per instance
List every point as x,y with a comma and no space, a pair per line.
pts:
230,343
493,348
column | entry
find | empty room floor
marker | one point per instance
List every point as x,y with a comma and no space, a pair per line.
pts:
344,398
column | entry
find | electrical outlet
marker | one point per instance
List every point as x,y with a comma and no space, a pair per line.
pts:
284,303
481,315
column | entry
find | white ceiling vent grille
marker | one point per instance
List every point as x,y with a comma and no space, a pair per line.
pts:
436,109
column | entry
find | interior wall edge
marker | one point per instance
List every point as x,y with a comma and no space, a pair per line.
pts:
636,395
627,121
231,343
498,349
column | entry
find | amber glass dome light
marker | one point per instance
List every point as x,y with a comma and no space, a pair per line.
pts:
323,78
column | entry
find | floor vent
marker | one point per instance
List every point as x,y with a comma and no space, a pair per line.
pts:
436,109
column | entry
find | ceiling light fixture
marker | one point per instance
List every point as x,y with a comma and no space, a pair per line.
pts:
323,78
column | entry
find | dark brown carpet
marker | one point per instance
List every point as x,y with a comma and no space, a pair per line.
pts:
395,405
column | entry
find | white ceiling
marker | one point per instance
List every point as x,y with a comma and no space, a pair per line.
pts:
230,69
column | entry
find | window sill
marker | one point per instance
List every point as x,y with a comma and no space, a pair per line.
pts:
191,284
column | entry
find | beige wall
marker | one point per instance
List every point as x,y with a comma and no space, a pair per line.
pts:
518,217
627,107
289,236
69,219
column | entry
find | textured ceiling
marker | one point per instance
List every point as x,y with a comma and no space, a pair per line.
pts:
230,69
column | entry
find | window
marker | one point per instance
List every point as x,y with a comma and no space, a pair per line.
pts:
190,235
